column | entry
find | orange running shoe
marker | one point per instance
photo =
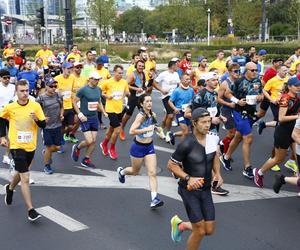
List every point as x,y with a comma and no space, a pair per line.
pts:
122,135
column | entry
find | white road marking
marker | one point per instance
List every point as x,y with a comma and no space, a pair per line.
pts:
166,185
2,191
163,149
61,219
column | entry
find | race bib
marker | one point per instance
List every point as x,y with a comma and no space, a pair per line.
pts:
212,111
92,106
181,118
251,99
148,134
67,94
183,107
24,137
117,95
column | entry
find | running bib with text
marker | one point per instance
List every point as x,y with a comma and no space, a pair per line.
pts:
24,137
117,95
212,111
67,94
92,106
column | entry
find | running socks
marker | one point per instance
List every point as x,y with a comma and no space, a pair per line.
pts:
153,194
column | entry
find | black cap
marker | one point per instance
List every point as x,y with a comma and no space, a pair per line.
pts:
198,113
277,59
4,72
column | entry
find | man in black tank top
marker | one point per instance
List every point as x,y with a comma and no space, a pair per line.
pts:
195,161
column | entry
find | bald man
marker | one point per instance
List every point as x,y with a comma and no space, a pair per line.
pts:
246,92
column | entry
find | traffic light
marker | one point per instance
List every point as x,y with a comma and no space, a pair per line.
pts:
40,16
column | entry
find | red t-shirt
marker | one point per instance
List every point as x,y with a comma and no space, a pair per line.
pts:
18,60
185,65
270,73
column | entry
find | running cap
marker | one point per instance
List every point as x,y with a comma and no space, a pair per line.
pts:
209,75
94,75
293,81
50,81
67,65
99,61
175,59
198,113
143,49
77,64
4,72
200,58
262,52
94,52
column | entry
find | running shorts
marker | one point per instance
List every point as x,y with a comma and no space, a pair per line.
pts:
283,137
242,125
92,124
168,109
227,113
115,119
52,136
181,119
140,150
22,159
68,117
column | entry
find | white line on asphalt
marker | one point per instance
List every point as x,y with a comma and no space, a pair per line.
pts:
168,150
2,192
61,219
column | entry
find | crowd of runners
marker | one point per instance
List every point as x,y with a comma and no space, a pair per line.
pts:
65,93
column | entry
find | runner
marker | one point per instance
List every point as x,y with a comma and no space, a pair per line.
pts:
7,92
142,149
136,82
186,64
219,64
25,116
293,58
195,161
135,58
32,77
114,90
289,106
89,97
166,82
52,105
13,71
44,53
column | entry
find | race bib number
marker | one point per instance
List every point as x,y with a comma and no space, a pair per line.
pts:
148,134
24,137
67,94
92,106
181,119
212,111
117,95
183,107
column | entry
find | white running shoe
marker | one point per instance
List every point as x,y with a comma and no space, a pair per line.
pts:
6,159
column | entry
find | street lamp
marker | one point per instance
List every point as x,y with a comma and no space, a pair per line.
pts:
208,26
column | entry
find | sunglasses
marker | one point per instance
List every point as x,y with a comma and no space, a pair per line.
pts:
237,71
79,67
253,70
52,86
6,77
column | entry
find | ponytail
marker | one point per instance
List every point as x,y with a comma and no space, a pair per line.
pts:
285,89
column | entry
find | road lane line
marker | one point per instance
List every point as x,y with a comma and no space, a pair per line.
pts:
163,149
61,219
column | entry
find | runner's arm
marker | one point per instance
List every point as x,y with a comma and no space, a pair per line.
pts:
137,122
2,127
75,100
282,117
216,170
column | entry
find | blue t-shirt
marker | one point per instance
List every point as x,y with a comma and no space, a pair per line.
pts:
31,76
13,71
241,60
180,72
224,76
181,97
89,100
104,58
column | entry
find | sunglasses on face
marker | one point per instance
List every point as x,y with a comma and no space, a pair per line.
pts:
79,67
253,70
237,71
6,77
52,86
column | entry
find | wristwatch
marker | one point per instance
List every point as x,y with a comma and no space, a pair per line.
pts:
187,178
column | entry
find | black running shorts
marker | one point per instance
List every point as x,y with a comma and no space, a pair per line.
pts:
22,159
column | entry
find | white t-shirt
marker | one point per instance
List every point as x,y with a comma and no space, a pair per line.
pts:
297,125
6,94
168,81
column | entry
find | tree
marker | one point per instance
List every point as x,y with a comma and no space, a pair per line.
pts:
295,14
103,12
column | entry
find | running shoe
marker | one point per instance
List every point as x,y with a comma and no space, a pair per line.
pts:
6,159
67,137
279,181
261,126
48,169
170,137
122,135
175,232
225,163
86,162
61,150
104,149
121,176
160,133
113,154
75,152
219,191
292,166
276,168
73,139
33,215
248,172
8,195
174,123
156,202
258,180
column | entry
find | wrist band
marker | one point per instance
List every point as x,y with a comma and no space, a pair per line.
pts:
234,100
80,115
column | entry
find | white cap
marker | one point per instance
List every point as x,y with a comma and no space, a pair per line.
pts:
175,59
77,64
143,48
95,75
209,75
94,52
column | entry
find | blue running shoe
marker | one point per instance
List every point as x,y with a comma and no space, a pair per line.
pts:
75,152
121,176
48,169
175,232
156,202
226,163
61,150
86,162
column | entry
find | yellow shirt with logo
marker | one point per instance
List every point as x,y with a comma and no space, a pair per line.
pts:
274,87
76,56
294,65
44,54
117,89
130,70
219,65
8,52
65,88
148,66
23,129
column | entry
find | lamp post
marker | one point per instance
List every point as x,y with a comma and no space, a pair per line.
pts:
208,26
68,23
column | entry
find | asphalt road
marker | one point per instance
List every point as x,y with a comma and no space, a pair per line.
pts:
93,211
